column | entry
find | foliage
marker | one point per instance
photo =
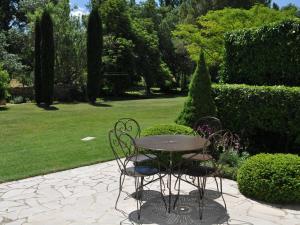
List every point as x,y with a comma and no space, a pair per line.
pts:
268,116
47,58
199,102
164,78
208,32
167,129
253,56
94,55
37,63
271,178
3,83
233,158
118,64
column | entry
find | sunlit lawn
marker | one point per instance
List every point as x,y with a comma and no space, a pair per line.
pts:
35,141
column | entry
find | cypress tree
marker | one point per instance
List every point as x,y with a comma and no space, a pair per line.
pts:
199,102
94,54
37,65
47,58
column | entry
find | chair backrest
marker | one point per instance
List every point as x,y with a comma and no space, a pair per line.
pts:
122,145
128,126
222,141
207,126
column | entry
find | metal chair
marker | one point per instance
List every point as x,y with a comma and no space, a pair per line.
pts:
205,164
208,125
126,155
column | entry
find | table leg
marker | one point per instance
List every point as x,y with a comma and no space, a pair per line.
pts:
170,180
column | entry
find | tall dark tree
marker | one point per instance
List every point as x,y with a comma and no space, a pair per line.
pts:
47,58
37,64
94,54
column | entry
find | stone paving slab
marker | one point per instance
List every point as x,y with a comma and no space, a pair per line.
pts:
86,196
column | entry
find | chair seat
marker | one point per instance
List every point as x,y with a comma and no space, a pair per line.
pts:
197,157
200,171
141,171
141,158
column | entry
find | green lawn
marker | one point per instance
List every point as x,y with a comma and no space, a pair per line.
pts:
35,141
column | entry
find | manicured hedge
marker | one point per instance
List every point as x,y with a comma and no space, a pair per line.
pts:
271,178
167,129
265,56
268,115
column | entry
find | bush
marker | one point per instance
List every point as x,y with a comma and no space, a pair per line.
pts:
4,79
269,116
265,56
167,129
271,178
199,102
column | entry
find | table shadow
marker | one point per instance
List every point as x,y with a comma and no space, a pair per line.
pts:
186,212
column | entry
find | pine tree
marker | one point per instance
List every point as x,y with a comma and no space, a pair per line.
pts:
47,58
37,65
94,55
199,102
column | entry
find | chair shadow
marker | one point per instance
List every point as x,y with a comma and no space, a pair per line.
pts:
146,195
186,212
210,194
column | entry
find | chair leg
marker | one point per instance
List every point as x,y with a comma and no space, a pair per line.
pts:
161,182
121,182
220,190
137,187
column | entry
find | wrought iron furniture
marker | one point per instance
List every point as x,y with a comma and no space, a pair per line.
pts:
207,125
171,144
123,146
205,164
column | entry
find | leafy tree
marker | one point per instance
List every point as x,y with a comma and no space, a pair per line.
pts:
199,102
47,57
37,65
94,55
4,79
208,33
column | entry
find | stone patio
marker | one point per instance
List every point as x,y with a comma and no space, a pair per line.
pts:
86,196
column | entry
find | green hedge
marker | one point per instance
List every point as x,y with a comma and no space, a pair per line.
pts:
268,115
271,178
167,129
265,56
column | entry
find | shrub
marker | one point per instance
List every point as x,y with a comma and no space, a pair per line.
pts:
265,56
3,83
199,102
94,54
167,129
269,116
271,178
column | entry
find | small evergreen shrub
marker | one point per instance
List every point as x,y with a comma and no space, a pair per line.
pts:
199,102
263,56
271,178
167,129
267,116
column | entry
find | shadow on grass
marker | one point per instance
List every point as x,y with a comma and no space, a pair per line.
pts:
47,107
100,104
3,108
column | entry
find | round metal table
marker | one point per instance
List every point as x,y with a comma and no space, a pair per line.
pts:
171,144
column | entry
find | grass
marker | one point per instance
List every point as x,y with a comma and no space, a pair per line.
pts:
37,141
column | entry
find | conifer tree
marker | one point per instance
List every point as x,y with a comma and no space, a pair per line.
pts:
37,64
94,54
199,102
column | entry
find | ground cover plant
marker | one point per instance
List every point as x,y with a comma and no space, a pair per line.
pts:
36,141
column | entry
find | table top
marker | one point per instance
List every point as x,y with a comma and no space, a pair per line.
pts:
172,143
